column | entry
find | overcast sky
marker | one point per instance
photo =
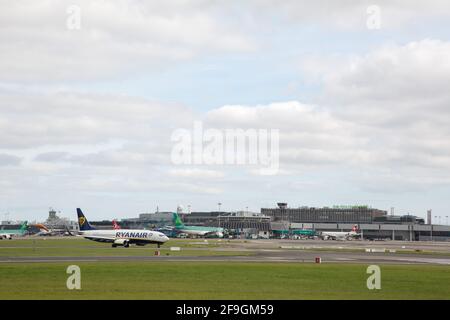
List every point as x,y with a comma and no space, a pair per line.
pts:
361,99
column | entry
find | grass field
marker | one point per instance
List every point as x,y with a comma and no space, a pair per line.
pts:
76,247
201,280
221,280
397,251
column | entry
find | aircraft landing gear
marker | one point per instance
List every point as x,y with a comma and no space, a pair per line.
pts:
158,252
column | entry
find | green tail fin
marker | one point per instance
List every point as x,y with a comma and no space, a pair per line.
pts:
24,226
177,221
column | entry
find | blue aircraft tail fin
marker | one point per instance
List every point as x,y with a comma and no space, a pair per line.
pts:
83,222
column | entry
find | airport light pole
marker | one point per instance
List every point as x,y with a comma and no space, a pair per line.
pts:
219,204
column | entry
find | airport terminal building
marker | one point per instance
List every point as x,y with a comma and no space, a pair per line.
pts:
337,214
373,223
283,221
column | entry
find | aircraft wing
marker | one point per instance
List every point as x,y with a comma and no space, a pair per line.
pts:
166,228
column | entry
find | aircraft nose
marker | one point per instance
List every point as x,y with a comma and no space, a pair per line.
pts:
166,238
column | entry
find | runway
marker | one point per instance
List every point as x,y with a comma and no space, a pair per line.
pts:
236,250
280,256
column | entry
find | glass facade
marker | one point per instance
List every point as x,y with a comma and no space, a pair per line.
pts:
324,215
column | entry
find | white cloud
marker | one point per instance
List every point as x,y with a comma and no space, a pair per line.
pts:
115,39
397,99
83,143
69,118
399,96
381,121
411,74
196,173
365,125
9,160
352,14
309,135
386,110
128,38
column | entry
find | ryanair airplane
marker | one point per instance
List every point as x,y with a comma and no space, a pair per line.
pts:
121,237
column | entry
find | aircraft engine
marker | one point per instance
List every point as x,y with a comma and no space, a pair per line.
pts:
122,242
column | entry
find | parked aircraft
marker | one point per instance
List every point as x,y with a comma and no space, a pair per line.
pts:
115,225
9,234
331,235
195,230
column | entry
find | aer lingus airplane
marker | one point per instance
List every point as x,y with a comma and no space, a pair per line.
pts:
8,234
122,237
196,230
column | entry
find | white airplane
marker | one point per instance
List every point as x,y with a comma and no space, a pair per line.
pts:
341,235
199,231
9,234
122,237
